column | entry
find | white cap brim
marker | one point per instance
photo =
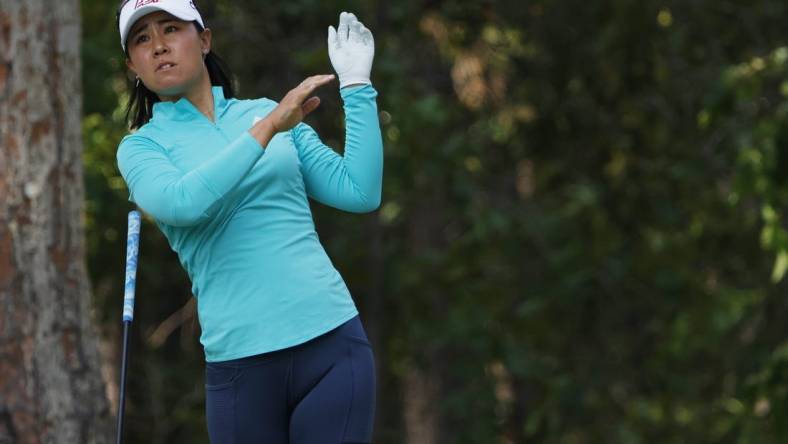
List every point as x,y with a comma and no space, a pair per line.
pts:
134,10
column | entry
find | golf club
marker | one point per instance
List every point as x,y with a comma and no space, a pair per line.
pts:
132,252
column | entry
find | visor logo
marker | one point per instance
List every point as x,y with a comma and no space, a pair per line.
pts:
141,3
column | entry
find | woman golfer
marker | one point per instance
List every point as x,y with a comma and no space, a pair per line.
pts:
227,181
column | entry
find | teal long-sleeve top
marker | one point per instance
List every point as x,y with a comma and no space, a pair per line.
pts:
238,215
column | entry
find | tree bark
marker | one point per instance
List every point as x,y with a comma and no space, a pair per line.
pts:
51,388
421,393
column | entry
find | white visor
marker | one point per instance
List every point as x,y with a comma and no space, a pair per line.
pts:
133,10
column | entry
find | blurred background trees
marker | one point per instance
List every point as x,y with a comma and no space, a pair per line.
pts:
581,239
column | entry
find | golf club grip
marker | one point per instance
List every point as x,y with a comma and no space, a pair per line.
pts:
132,253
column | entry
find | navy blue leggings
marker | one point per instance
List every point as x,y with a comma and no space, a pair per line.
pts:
321,391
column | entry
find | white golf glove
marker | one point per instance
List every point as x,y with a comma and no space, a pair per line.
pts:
351,49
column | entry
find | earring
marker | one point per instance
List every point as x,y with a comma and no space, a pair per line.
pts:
137,82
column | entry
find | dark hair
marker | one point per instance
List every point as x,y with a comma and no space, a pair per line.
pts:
139,110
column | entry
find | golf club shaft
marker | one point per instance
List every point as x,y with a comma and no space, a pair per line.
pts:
122,399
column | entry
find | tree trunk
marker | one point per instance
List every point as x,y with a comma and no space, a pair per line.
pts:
50,383
421,393
422,384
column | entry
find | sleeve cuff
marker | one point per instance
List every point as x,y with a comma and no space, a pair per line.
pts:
248,140
358,92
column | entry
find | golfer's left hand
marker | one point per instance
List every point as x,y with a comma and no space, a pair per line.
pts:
351,49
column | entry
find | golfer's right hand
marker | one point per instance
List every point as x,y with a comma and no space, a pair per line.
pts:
297,104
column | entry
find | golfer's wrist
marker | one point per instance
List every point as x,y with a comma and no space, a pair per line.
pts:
263,131
353,81
353,85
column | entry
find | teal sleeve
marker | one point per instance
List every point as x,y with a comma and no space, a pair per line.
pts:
351,182
180,198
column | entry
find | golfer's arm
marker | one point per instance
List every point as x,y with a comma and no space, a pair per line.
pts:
182,198
351,182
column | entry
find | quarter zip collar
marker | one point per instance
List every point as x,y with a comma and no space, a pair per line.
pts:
183,109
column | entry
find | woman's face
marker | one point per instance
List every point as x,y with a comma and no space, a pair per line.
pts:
167,53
